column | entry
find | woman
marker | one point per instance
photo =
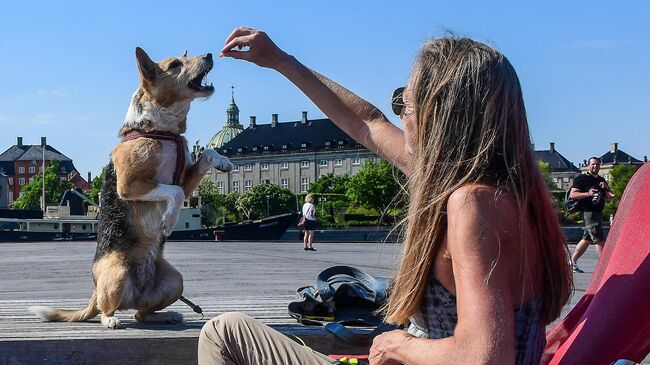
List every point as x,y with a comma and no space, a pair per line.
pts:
484,266
309,213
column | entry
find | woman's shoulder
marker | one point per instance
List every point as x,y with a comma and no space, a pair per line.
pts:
484,198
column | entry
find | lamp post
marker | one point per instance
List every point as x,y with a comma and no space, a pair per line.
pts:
267,205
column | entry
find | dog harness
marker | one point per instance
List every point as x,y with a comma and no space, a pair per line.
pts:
165,136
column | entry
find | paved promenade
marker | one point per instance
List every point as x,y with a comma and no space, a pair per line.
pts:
257,278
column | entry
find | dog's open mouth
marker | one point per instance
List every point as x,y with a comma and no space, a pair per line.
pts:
196,83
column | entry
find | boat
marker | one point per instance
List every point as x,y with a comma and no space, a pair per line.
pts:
271,228
72,220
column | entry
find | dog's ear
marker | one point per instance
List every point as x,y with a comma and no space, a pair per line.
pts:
184,54
148,68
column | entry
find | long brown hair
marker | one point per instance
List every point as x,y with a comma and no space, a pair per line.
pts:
471,128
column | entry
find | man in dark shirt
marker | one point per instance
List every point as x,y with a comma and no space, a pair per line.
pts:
592,191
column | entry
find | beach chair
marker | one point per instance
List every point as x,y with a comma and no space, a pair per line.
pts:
611,321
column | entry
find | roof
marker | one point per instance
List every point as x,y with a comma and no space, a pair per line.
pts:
289,136
618,156
224,136
555,160
28,152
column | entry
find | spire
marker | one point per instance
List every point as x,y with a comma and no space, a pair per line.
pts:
233,111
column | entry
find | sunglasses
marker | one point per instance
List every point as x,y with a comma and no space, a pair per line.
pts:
397,101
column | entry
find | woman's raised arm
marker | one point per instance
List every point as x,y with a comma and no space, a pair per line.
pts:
355,116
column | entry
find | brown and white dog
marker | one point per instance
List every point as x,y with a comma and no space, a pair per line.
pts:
144,186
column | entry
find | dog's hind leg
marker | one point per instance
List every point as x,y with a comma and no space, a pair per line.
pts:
111,277
167,290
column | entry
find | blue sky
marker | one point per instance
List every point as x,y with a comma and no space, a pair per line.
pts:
67,69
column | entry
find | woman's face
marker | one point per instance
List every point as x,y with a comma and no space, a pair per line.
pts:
408,119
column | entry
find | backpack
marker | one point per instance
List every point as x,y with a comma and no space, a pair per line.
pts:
343,296
571,205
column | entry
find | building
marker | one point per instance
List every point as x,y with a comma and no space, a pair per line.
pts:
21,162
562,170
291,154
4,191
612,158
230,130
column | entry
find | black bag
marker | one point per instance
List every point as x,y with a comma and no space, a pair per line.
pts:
571,205
343,296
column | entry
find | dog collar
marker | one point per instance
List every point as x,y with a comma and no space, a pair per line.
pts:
166,136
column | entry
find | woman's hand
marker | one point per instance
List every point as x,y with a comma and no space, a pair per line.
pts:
261,49
385,346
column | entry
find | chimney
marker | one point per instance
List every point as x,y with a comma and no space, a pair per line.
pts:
304,118
274,120
252,122
19,141
614,148
645,159
43,141
552,147
90,180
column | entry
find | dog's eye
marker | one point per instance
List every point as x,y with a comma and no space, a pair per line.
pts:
175,64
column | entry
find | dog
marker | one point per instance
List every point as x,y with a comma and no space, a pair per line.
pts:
146,181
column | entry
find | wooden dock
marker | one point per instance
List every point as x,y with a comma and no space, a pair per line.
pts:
258,279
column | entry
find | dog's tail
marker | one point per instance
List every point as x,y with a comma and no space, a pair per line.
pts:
64,315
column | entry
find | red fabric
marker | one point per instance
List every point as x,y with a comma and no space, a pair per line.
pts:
612,319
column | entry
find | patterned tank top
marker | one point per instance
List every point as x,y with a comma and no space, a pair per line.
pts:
438,317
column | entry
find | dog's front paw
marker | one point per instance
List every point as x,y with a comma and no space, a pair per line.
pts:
218,161
111,322
167,224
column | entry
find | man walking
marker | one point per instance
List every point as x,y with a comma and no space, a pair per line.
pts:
592,191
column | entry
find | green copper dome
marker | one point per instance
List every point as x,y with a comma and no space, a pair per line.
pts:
230,130
223,136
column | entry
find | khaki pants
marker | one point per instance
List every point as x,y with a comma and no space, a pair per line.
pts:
235,338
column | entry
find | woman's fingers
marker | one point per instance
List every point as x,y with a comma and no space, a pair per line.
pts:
239,32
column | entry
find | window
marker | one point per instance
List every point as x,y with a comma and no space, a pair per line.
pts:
236,168
32,169
304,164
264,165
284,165
235,186
304,184
565,179
248,167
11,197
327,143
255,149
21,169
187,225
31,179
21,194
248,185
62,178
266,148
340,143
356,161
338,162
285,183
11,181
322,163
284,146
21,181
303,145
220,187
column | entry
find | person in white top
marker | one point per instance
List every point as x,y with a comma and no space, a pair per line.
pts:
309,212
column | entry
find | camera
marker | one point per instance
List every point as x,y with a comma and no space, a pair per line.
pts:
595,200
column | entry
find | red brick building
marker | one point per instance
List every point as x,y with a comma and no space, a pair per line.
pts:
21,162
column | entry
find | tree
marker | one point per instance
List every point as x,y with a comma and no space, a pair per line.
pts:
376,187
334,187
54,189
97,186
545,170
621,175
264,200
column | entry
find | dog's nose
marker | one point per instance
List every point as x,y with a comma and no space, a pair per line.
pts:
209,56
